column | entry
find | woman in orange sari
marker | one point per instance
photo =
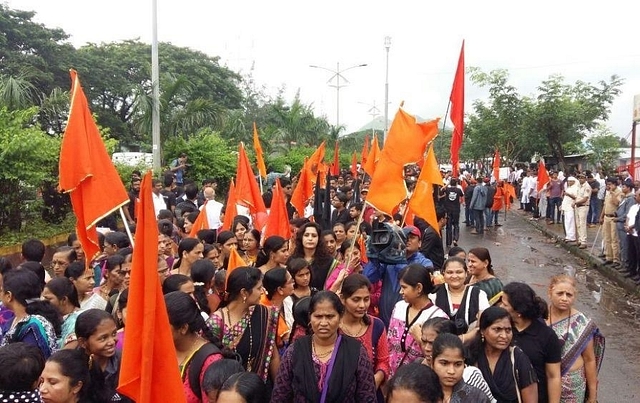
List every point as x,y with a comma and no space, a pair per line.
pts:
498,203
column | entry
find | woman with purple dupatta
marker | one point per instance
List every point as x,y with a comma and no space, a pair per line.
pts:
583,344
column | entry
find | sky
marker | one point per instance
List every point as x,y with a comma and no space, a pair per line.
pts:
587,41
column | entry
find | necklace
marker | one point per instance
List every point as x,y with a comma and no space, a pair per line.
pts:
315,350
234,347
357,334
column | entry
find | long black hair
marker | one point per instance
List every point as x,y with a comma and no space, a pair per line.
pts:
248,385
185,245
25,288
183,310
62,287
271,245
242,278
419,379
352,283
202,272
525,301
274,279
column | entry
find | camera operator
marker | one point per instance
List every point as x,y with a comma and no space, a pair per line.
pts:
384,265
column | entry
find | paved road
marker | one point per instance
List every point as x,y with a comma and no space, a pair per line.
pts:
522,252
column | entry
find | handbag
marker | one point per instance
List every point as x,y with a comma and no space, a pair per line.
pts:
514,372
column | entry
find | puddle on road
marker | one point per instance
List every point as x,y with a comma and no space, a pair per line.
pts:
610,297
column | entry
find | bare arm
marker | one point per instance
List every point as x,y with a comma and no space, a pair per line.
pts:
274,365
554,387
591,372
530,393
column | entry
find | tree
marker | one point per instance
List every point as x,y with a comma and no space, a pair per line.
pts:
605,149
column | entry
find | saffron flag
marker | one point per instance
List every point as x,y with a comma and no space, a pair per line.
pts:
231,209
421,202
510,193
247,191
405,144
278,221
354,165
315,164
363,249
262,169
335,167
457,113
87,173
148,372
496,165
202,222
373,157
543,175
365,150
235,261
303,190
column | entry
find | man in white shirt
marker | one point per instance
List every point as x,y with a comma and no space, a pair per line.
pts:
633,244
214,208
158,200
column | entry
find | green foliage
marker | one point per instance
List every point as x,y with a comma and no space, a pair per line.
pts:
210,156
605,148
28,157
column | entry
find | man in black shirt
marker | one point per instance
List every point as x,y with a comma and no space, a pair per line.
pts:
451,201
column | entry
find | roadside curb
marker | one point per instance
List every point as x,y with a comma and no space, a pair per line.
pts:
593,262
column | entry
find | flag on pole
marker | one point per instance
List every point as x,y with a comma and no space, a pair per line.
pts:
247,191
335,167
373,157
235,261
202,222
457,113
496,165
354,164
421,202
87,173
231,209
303,190
365,150
543,175
148,372
262,169
278,221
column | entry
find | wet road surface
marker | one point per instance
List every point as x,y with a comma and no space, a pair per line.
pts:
521,252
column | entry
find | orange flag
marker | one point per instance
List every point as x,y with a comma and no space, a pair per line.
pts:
262,169
202,222
247,191
335,167
231,210
315,163
421,202
278,221
87,173
373,157
365,150
457,113
354,164
303,191
405,144
148,372
510,192
235,261
496,165
363,249
543,175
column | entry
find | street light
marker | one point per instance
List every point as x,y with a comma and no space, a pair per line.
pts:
337,74
387,45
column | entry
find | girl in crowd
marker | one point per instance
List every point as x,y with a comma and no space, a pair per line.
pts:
414,383
330,243
462,303
243,387
356,297
74,242
278,285
240,227
227,240
434,327
61,293
247,327
121,317
448,364
195,346
66,378
506,369
84,282
113,275
413,310
189,220
189,250
351,231
300,270
96,331
178,282
202,273
309,247
212,252
251,246
538,341
351,253
35,321
274,253
481,272
582,342
323,366
217,373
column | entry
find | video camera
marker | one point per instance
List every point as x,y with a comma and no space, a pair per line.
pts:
387,243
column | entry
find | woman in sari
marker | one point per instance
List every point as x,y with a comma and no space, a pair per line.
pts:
481,272
246,326
582,343
325,366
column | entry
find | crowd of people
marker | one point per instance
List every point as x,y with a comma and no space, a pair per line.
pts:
330,315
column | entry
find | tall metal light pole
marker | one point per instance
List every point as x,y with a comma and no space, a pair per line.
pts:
337,74
387,45
155,82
